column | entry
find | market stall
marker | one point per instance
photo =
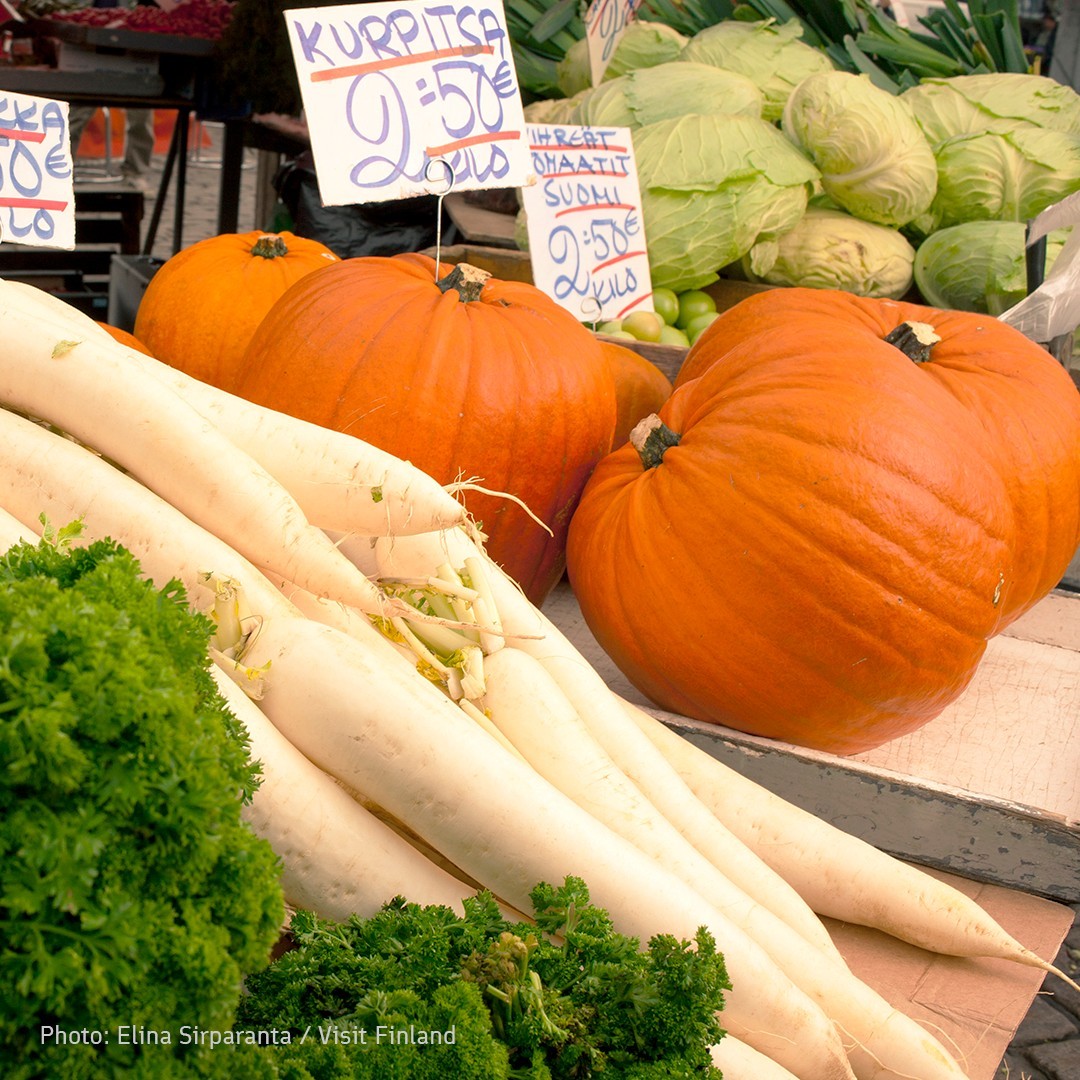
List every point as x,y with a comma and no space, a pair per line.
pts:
656,619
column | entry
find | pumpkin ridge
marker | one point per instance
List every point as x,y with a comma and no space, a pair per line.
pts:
385,353
961,515
885,587
944,616
785,663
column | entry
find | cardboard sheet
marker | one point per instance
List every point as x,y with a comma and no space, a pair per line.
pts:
973,1006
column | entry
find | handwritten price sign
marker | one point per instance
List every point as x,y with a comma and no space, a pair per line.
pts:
37,198
605,23
390,88
586,236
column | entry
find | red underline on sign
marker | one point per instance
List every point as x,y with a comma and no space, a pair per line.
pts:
472,140
597,13
22,136
398,61
563,146
34,204
633,304
617,259
596,206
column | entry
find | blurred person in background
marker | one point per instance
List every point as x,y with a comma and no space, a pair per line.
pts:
138,129
138,142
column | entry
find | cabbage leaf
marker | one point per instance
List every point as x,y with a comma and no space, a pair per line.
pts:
969,104
875,161
830,249
666,91
769,54
711,187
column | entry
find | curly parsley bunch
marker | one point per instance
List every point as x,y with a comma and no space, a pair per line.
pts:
566,998
133,897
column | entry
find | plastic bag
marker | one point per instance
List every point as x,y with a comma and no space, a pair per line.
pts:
379,228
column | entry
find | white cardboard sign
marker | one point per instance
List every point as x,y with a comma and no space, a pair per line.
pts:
390,89
605,23
586,233
37,194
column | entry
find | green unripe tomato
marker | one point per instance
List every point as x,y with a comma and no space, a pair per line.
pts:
697,326
666,304
692,303
644,325
672,335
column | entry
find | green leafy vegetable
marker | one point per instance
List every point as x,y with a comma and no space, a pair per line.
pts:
874,159
565,998
978,265
667,91
712,187
771,55
132,894
971,104
642,45
1003,176
831,249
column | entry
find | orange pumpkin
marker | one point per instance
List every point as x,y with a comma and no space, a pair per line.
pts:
815,539
125,337
466,377
640,387
1025,402
202,306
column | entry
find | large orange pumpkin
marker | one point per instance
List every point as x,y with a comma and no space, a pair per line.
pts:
467,377
640,387
819,538
1025,402
202,306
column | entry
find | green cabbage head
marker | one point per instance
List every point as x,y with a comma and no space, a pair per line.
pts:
1003,176
978,265
666,91
875,161
969,104
643,44
830,249
557,110
711,187
769,54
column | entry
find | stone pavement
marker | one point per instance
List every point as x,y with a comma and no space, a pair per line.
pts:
201,195
1047,1044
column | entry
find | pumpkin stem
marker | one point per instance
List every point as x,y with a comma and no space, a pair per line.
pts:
467,280
915,340
269,246
652,438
